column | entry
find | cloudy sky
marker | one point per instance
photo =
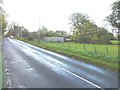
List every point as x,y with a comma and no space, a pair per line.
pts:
54,14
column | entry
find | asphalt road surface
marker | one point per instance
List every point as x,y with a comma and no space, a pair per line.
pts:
31,67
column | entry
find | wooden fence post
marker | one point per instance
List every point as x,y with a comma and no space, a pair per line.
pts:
84,47
95,48
107,49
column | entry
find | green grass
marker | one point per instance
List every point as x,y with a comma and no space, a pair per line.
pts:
0,63
2,71
102,57
115,42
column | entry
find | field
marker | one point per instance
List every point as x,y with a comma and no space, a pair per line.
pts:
97,54
115,42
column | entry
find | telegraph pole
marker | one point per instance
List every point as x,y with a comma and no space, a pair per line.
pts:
21,30
39,24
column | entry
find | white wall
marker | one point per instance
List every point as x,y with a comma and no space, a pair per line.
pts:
54,39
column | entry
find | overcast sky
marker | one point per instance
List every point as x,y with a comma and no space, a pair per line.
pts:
54,14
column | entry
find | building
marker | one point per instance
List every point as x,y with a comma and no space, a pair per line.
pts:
54,39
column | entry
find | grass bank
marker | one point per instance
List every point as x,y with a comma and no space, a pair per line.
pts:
101,55
2,69
0,62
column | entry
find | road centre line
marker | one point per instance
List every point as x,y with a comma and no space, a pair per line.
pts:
83,79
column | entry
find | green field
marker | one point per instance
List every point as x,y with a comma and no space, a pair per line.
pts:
115,42
101,55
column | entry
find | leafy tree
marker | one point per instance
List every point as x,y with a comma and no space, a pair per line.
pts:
10,32
60,33
82,28
25,32
43,32
17,29
104,35
3,21
50,33
78,19
114,17
32,36
86,31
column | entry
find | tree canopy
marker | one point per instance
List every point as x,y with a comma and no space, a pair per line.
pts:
3,21
114,17
86,31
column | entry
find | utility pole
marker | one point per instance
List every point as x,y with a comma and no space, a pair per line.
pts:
39,24
21,29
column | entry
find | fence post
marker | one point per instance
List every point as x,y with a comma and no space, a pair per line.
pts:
84,47
107,49
95,48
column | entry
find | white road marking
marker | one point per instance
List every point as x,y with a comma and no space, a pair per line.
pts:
83,79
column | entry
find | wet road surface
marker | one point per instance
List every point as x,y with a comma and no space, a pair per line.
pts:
31,67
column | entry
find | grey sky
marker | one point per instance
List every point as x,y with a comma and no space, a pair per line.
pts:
54,14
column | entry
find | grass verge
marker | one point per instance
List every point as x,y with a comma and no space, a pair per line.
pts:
100,58
0,62
2,71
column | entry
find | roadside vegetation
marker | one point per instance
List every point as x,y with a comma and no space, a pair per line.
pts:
101,55
2,69
3,25
0,63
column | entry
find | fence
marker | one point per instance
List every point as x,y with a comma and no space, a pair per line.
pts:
104,49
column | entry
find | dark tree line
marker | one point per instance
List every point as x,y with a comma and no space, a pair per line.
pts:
19,31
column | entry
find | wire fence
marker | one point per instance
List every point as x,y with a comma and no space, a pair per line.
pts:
97,48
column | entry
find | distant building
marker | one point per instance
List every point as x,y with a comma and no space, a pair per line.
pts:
54,39
67,38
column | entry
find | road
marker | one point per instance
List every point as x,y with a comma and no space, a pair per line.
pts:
28,66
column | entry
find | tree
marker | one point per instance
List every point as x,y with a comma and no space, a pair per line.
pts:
43,32
104,36
32,36
60,33
114,17
86,31
25,32
78,19
10,32
82,28
50,33
3,21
